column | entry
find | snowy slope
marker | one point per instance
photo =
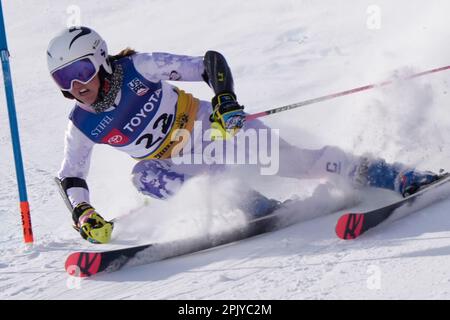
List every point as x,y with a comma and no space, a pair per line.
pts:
281,52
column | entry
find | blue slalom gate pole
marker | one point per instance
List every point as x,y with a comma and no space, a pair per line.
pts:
24,205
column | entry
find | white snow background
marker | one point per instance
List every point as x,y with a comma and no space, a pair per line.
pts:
280,52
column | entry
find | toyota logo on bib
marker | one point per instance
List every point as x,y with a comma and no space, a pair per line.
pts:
115,138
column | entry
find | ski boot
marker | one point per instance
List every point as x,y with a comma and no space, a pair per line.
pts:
411,181
257,205
397,177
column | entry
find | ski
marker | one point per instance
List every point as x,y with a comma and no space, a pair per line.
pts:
86,264
352,225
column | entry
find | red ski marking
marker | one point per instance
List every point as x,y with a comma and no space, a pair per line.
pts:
83,264
349,226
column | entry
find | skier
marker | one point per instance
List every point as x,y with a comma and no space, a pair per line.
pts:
126,102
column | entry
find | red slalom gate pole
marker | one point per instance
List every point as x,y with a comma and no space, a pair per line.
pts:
251,117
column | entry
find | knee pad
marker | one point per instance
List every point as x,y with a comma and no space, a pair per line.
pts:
156,179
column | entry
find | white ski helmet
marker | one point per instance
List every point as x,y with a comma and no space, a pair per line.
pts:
75,44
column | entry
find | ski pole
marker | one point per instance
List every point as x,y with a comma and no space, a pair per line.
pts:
339,94
24,206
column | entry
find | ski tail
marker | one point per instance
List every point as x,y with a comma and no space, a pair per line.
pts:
83,264
350,226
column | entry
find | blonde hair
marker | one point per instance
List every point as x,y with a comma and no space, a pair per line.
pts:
122,54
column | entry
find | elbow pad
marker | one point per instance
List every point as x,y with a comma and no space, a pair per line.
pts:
217,73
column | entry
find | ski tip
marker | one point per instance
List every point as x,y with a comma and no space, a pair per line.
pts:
83,265
349,226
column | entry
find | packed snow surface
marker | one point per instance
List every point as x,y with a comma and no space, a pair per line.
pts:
281,52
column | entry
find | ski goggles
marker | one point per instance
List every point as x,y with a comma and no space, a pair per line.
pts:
82,70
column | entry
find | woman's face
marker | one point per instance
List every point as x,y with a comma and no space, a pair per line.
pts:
86,93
